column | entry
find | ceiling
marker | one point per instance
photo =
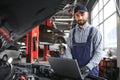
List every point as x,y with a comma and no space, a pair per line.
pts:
64,18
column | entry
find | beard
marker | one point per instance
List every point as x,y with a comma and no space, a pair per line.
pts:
81,23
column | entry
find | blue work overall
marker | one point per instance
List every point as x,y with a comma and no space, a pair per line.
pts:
81,52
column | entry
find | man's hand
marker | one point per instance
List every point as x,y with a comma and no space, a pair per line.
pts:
85,71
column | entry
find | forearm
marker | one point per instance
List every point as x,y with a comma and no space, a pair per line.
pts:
97,51
95,60
67,53
68,50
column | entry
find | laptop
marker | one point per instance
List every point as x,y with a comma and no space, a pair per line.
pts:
65,67
69,68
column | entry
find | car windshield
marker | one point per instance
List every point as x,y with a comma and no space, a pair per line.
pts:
12,48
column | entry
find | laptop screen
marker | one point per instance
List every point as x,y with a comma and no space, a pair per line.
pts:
65,67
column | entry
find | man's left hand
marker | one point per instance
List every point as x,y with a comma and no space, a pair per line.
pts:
84,70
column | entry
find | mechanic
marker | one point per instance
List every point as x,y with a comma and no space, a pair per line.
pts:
85,43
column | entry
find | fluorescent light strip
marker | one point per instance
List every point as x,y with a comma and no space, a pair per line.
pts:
64,19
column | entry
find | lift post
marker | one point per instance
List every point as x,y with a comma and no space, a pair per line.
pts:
32,45
46,52
46,47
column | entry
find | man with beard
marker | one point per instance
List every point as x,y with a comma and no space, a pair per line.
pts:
85,43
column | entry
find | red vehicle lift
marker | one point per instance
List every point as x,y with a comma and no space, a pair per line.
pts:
32,45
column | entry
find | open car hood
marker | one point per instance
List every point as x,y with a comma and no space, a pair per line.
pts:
17,17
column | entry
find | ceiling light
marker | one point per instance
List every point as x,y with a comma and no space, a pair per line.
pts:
71,19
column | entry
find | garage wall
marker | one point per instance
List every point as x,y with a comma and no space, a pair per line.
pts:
118,39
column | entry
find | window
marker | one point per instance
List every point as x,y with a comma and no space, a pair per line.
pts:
12,48
104,16
101,29
109,9
105,1
95,11
100,4
110,34
95,21
101,16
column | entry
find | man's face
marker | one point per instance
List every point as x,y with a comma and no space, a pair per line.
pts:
81,17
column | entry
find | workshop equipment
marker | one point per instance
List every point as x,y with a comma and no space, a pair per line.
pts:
108,69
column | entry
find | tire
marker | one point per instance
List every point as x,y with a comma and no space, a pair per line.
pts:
5,58
20,56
